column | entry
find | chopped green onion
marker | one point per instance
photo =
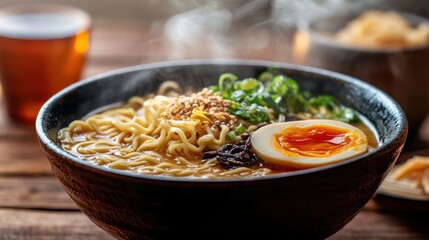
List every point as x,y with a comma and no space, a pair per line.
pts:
252,97
240,129
249,84
226,83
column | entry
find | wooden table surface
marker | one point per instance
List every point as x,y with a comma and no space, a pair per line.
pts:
33,204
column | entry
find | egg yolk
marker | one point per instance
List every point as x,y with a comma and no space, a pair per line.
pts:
314,141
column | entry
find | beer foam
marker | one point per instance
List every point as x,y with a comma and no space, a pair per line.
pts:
44,25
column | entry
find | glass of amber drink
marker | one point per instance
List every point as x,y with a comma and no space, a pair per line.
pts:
42,50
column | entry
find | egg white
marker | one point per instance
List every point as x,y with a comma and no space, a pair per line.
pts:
262,144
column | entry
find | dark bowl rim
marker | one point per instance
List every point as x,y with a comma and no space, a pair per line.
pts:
398,133
307,27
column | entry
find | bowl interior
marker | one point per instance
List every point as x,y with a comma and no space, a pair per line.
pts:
76,101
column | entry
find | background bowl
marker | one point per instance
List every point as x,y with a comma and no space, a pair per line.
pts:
313,203
400,73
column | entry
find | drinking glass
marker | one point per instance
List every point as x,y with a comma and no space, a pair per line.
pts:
42,50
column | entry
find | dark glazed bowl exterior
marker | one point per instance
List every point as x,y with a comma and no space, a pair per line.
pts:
313,203
400,73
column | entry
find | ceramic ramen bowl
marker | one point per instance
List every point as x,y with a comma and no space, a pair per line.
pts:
312,203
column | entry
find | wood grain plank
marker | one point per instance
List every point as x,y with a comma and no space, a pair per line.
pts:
32,224
34,193
9,129
23,157
377,225
47,225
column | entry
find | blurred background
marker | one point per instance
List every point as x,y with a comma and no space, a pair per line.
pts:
228,28
161,10
260,22
240,29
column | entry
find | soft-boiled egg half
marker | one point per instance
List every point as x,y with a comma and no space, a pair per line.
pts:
308,143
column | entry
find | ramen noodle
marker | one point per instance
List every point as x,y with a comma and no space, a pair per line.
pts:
175,134
376,29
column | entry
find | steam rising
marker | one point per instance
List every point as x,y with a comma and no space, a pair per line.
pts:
207,24
212,25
